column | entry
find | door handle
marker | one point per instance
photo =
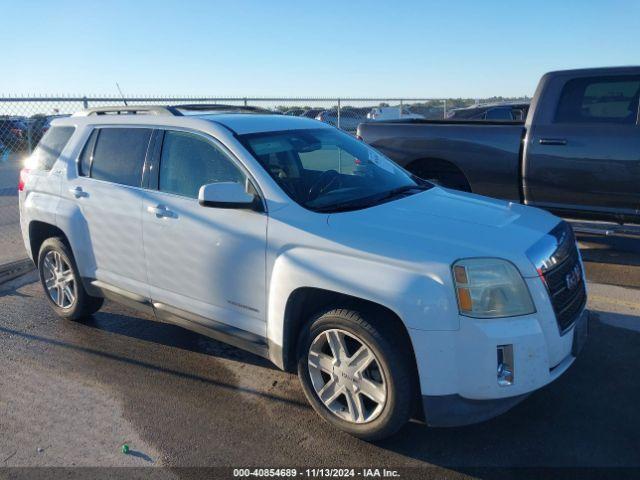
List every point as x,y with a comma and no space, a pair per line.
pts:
553,141
78,192
161,211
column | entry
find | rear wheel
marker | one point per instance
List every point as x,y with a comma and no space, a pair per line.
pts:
353,376
441,173
61,282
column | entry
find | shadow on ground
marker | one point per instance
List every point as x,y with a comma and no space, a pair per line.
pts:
612,250
171,336
588,417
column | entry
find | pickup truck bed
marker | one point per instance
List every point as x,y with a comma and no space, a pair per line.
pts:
577,154
422,146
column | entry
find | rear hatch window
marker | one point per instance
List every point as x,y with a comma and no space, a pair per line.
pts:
50,148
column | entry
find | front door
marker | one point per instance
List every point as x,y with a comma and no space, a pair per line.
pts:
586,158
201,260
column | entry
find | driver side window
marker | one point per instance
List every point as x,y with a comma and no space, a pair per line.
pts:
189,161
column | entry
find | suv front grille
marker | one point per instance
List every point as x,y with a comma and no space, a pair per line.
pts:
567,299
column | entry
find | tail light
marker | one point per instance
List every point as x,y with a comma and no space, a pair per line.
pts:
24,175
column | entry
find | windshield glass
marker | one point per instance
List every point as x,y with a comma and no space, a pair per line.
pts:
328,170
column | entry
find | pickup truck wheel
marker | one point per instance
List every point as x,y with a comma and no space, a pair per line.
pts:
61,282
445,175
353,376
449,180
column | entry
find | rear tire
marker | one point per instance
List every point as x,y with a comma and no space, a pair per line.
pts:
371,399
442,174
61,281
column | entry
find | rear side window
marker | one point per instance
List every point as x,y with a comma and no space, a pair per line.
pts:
189,161
499,114
84,164
119,154
50,147
600,100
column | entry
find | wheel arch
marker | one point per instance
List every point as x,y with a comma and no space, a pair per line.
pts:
39,231
306,302
433,167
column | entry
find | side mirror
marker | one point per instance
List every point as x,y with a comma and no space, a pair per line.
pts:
227,195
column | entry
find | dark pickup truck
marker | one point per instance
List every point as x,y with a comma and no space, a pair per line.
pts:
577,154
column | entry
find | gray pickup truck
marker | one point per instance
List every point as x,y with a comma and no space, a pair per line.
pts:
577,154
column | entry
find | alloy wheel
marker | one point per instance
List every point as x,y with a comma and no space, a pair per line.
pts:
59,280
346,376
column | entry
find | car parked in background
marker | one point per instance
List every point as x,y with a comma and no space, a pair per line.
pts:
13,133
295,112
577,154
491,111
391,297
311,112
391,113
39,124
349,118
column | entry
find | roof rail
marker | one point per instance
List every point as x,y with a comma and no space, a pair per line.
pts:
213,107
128,110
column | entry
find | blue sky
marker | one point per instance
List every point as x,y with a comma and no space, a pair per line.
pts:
303,48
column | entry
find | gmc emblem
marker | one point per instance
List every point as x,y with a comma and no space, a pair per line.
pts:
573,277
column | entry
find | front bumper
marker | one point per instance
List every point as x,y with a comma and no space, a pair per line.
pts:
458,370
457,411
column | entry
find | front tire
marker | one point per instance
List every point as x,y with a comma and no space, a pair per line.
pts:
352,374
61,282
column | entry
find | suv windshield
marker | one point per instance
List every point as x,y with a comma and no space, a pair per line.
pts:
327,170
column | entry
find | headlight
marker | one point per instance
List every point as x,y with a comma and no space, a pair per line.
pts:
490,288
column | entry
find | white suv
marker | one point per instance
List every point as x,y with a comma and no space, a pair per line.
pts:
392,298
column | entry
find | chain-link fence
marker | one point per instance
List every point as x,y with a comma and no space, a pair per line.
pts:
24,120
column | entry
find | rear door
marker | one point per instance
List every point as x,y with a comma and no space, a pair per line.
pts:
584,157
108,192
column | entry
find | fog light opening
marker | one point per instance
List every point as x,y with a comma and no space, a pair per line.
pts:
505,369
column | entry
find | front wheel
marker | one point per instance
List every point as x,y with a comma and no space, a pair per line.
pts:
352,374
61,281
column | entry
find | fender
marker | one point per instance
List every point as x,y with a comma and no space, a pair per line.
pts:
422,301
38,207
71,220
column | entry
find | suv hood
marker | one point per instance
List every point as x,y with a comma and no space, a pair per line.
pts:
444,225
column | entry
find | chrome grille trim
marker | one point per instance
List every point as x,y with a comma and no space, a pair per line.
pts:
554,256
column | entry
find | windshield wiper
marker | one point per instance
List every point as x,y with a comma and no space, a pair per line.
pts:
400,190
343,206
370,201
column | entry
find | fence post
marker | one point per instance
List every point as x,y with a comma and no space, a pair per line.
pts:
401,105
245,101
30,137
444,112
339,113
85,102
